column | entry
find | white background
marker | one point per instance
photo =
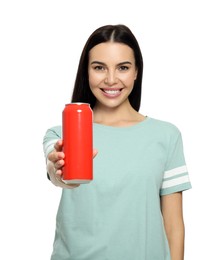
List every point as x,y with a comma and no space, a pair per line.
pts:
41,42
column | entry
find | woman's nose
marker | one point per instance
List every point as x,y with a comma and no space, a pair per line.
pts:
111,78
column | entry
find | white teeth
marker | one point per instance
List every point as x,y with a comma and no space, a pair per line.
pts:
112,92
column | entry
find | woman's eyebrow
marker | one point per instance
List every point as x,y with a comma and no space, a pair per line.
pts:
97,62
124,62
119,64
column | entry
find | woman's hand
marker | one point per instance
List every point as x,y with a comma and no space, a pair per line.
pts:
55,164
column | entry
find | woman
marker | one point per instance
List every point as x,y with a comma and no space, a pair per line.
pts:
132,210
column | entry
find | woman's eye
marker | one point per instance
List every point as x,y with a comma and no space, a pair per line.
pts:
98,67
123,68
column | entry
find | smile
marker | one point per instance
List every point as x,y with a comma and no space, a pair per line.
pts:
111,92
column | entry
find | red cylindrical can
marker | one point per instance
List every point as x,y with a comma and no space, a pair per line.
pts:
77,126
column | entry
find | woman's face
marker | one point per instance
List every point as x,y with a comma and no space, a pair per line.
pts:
112,72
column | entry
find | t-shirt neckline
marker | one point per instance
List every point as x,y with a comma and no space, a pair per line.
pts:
123,128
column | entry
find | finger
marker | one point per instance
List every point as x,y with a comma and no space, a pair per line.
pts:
59,145
59,173
55,156
59,164
95,152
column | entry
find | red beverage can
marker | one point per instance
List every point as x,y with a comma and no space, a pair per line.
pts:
77,126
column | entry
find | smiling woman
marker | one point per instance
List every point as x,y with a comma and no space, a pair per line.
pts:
112,72
133,207
123,40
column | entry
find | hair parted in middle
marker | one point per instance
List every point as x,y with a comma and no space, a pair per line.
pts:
108,33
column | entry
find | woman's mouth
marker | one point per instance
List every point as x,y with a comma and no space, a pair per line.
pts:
111,92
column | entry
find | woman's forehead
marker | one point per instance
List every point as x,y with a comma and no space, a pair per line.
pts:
111,51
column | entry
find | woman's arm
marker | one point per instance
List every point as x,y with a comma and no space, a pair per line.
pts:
171,206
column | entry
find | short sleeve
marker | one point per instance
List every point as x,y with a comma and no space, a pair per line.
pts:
52,135
175,177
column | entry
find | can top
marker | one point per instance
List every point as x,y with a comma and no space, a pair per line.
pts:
77,103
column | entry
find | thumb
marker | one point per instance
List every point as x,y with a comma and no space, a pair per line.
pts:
95,152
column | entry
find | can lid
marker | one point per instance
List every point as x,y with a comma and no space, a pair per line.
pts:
77,103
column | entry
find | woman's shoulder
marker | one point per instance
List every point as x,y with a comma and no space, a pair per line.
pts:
163,126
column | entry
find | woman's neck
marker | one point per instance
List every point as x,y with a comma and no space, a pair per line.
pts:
118,116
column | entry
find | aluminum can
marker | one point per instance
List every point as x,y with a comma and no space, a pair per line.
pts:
77,130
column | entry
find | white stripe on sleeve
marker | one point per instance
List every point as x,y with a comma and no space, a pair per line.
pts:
176,181
175,171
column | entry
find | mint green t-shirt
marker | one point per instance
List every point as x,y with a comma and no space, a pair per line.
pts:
117,216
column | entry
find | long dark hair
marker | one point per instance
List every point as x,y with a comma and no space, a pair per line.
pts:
115,33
